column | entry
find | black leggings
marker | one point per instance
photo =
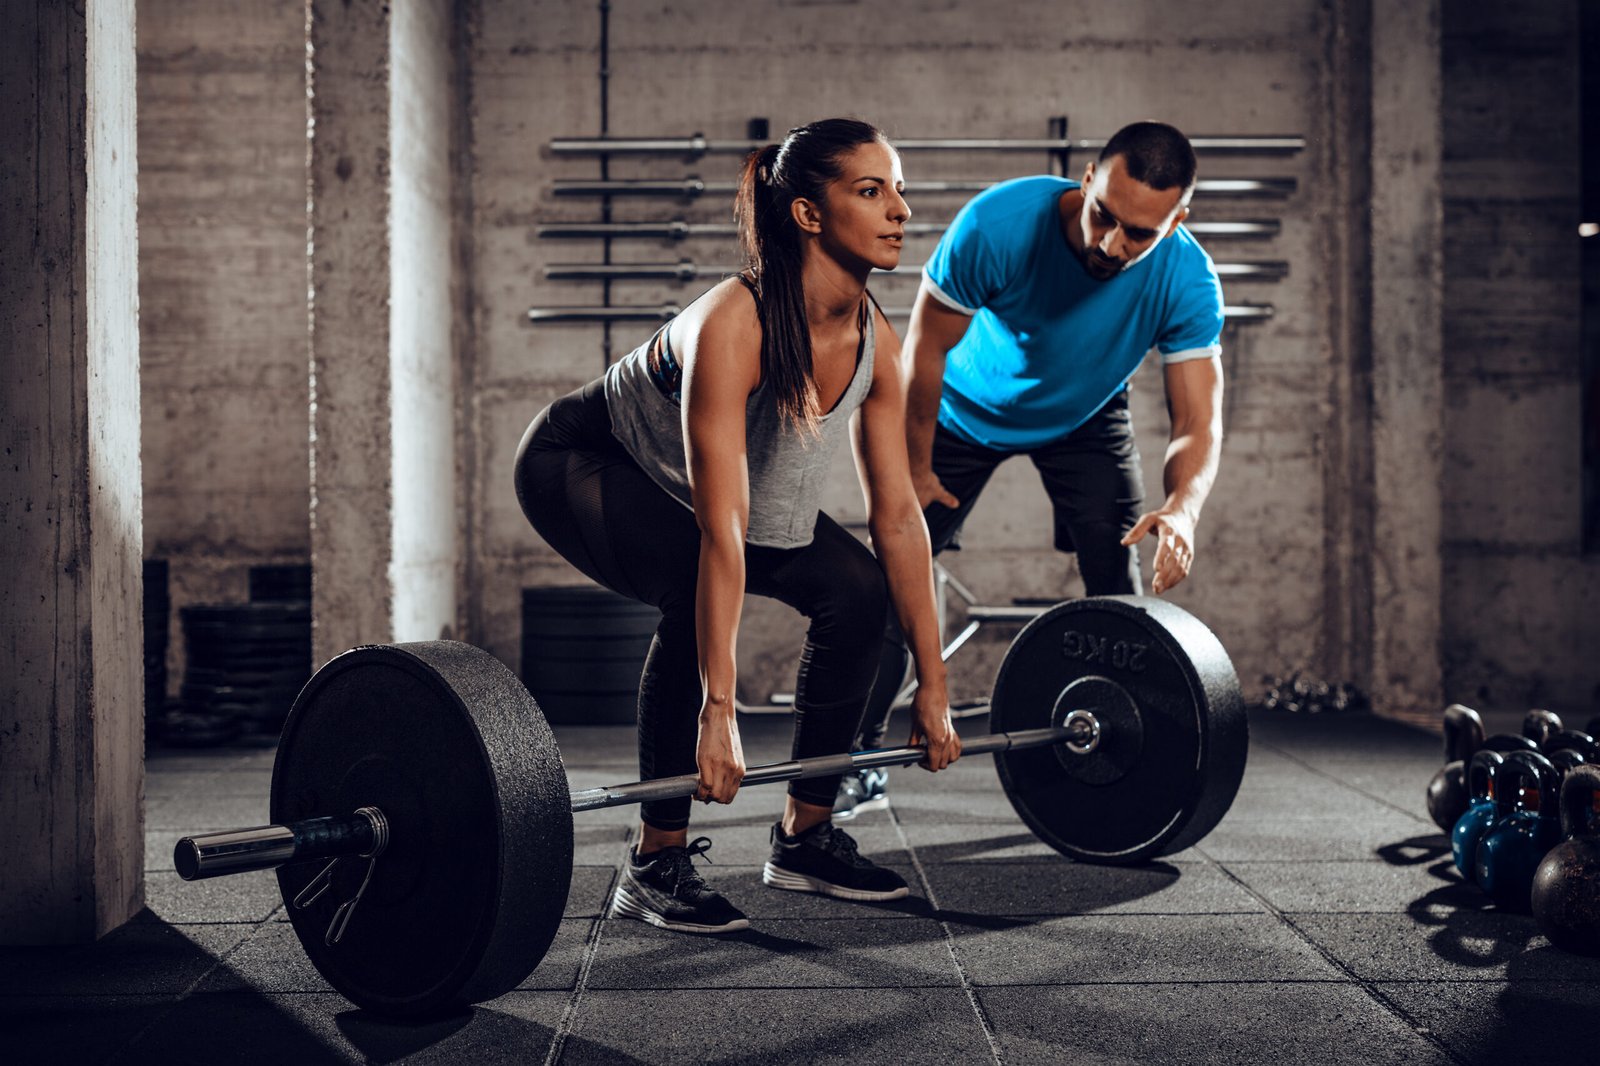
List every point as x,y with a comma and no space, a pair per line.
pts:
586,496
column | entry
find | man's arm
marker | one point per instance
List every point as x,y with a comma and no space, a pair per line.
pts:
934,330
1194,404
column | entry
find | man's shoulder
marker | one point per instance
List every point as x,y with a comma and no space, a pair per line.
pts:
1188,255
1016,198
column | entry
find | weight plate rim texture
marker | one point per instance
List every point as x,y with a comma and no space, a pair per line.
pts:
1223,732
535,850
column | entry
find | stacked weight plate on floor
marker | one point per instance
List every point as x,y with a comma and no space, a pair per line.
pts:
1173,732
157,613
246,661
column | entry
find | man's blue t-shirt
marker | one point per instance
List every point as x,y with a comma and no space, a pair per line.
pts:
1048,345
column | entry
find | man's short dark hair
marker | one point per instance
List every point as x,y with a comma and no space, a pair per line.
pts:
1154,153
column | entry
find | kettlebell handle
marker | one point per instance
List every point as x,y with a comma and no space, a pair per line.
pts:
1481,773
1522,766
1463,732
1578,800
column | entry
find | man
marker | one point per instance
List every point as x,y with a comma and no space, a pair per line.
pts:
1037,306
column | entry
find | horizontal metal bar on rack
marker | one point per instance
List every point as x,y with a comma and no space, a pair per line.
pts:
698,145
687,270
678,229
690,187
662,312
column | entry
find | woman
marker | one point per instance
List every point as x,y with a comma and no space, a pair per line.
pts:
690,473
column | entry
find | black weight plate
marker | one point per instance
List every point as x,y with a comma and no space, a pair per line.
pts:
1189,754
444,740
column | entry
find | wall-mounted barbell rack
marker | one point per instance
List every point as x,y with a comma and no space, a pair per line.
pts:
691,187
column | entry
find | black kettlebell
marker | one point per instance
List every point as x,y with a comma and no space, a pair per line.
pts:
1572,740
1447,792
1528,827
1566,888
1538,725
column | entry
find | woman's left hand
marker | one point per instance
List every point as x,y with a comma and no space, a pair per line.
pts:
931,726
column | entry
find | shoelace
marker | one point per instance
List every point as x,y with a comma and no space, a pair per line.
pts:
839,842
683,867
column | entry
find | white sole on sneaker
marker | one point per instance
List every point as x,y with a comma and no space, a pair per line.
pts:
623,905
877,803
778,877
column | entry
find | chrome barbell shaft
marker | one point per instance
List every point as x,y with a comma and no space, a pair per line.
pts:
818,766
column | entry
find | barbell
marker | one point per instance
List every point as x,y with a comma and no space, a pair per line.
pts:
428,782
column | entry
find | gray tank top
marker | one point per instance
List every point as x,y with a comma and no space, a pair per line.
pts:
787,464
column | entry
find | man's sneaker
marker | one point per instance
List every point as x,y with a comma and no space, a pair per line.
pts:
667,891
824,859
861,790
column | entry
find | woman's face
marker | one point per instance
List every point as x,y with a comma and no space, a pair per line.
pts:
864,214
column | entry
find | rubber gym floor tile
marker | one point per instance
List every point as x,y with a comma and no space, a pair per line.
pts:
1204,1023
1066,887
73,1029
1334,804
817,1026
246,897
273,961
1101,948
1004,841
1445,944
590,892
599,845
185,812
142,957
177,784
252,1028
1308,838
870,953
1493,1022
954,807
1366,887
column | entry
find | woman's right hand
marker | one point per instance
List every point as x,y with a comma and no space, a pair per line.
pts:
719,755
931,726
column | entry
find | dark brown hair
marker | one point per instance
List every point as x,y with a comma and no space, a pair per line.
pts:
774,177
1156,154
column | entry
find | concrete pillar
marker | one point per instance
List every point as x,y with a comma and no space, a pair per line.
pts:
71,649
1406,358
384,514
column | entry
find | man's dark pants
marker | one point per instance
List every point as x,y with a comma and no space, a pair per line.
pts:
1093,479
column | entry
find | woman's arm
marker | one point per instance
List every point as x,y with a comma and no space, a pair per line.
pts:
721,353
900,537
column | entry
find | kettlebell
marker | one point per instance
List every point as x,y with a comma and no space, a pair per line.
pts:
1480,814
1447,793
1506,743
1572,740
1528,826
1566,887
1538,724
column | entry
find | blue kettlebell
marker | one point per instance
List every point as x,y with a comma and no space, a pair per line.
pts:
1528,803
1480,815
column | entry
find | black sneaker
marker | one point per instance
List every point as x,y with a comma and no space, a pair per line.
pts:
861,790
824,859
667,891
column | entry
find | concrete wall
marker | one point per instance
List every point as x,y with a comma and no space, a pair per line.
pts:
71,678
222,230
1264,573
1519,618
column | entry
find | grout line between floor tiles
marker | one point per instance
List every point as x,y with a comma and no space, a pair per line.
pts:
1303,764
1368,987
949,942
218,961
591,948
